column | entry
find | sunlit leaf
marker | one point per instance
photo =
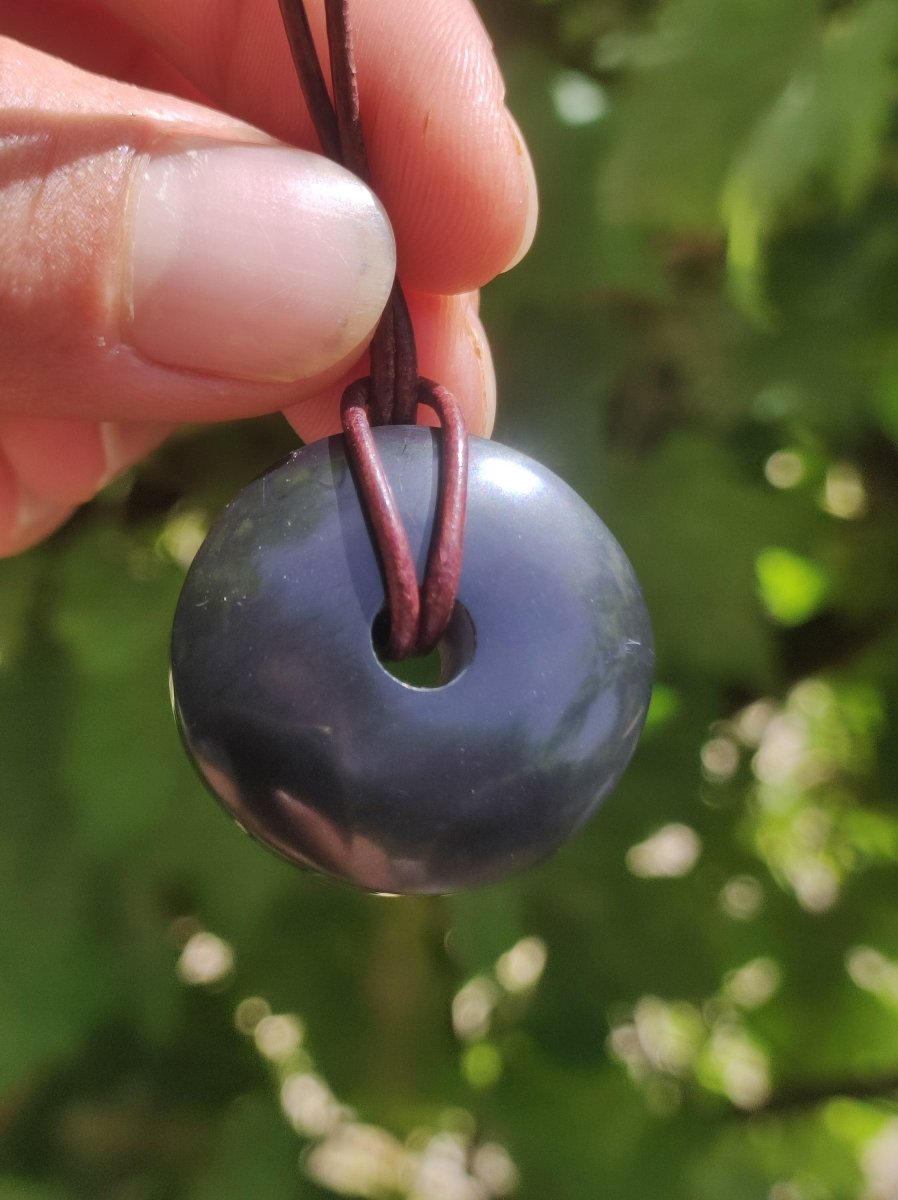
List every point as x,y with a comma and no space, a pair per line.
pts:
691,102
792,587
825,126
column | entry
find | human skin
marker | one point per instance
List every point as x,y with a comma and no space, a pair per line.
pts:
165,258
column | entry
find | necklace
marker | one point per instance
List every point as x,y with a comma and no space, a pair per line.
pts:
306,589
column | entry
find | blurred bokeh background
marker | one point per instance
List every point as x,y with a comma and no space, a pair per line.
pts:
699,996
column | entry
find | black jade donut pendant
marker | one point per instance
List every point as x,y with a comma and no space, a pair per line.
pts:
321,753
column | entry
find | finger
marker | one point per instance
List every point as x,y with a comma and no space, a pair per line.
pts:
24,519
68,462
452,348
160,261
48,466
83,33
446,159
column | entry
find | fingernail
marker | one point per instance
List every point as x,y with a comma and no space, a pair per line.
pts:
531,215
483,426
253,262
24,518
36,517
124,442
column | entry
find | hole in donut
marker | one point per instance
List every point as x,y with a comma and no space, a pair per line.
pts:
442,666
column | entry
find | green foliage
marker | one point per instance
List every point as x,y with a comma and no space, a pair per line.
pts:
792,588
699,997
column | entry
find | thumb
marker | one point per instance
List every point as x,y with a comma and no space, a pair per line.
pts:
159,261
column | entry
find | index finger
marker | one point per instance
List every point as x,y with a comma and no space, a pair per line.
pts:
446,158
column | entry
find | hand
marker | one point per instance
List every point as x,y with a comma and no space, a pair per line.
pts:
164,258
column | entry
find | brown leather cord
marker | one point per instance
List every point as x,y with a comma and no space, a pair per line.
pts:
447,543
346,87
403,596
339,128
311,77
418,618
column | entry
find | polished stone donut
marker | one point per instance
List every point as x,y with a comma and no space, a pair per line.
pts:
322,754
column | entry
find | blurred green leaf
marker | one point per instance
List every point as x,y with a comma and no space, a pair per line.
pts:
701,80
825,127
21,578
